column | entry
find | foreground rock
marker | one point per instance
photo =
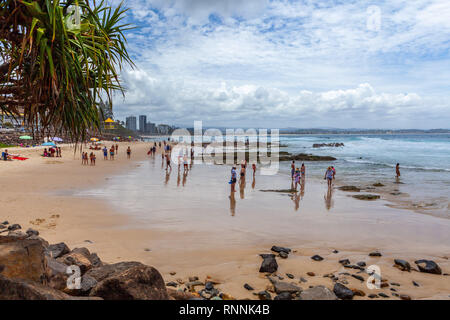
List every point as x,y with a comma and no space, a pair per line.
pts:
318,293
136,283
281,286
342,292
22,259
19,289
269,263
428,266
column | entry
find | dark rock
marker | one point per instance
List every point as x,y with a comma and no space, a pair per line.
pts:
32,232
392,289
373,296
281,286
318,293
57,250
305,157
209,286
378,184
416,284
317,257
135,283
180,295
384,295
14,227
402,265
350,188
95,260
263,295
358,293
19,289
366,196
5,223
375,254
335,251
333,144
191,279
428,266
78,258
361,263
344,262
405,297
290,276
172,284
303,280
395,284
283,255
269,263
280,249
248,287
358,277
342,292
311,274
283,296
2,227
110,270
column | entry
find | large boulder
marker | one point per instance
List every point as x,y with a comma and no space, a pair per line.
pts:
23,259
318,293
109,270
19,289
82,258
428,266
281,286
342,292
57,250
135,283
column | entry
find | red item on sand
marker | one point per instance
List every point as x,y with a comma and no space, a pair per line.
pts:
20,158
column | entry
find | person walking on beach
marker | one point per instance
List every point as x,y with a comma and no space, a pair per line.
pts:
129,152
334,172
329,176
233,179
254,168
303,172
292,169
111,153
397,170
105,153
243,167
117,147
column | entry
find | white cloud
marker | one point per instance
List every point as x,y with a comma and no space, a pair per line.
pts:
282,59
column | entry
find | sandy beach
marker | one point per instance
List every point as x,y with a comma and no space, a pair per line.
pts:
192,228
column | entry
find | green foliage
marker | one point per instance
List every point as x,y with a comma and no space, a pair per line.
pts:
57,70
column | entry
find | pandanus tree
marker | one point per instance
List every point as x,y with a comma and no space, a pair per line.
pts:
58,60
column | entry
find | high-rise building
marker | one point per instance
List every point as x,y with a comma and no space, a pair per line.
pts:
142,123
150,127
131,123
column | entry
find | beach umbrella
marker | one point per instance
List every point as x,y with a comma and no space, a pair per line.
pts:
25,138
57,139
94,139
49,144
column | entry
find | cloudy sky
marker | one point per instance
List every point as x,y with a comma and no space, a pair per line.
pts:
277,64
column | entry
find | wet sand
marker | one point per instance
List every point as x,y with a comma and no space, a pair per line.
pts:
197,230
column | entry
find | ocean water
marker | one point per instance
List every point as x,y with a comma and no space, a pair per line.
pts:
364,159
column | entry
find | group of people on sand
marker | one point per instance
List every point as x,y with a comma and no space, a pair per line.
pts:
242,174
85,158
298,175
52,152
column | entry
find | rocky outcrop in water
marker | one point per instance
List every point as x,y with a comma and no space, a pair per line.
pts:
333,144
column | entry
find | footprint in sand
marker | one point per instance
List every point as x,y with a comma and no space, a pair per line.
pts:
52,224
37,222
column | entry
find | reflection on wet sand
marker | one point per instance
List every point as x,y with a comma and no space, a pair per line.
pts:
329,198
242,187
253,182
185,173
232,204
167,176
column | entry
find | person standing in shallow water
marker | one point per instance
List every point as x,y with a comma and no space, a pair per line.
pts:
129,152
397,170
329,175
233,179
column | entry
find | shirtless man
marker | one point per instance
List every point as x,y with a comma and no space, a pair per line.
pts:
397,170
